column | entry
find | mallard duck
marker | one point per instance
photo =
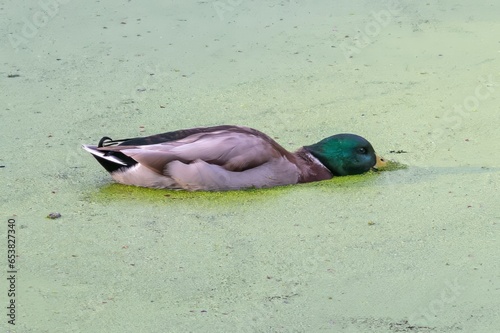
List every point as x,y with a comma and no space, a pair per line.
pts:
229,158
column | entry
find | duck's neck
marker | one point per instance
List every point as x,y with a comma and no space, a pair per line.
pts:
311,169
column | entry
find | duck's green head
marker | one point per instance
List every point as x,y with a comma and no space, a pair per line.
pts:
344,154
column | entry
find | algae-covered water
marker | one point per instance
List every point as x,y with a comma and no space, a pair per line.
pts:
408,250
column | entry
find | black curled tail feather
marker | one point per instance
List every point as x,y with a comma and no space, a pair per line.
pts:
103,141
106,141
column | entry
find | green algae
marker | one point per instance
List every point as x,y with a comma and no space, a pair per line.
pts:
118,192
393,165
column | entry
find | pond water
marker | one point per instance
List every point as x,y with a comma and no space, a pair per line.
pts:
410,250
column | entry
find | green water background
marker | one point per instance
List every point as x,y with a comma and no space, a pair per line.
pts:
400,251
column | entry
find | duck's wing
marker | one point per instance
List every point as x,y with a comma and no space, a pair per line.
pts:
183,134
233,148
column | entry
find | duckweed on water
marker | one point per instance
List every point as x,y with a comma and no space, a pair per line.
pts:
393,165
115,192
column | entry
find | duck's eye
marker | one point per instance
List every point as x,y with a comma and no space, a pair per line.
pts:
362,150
